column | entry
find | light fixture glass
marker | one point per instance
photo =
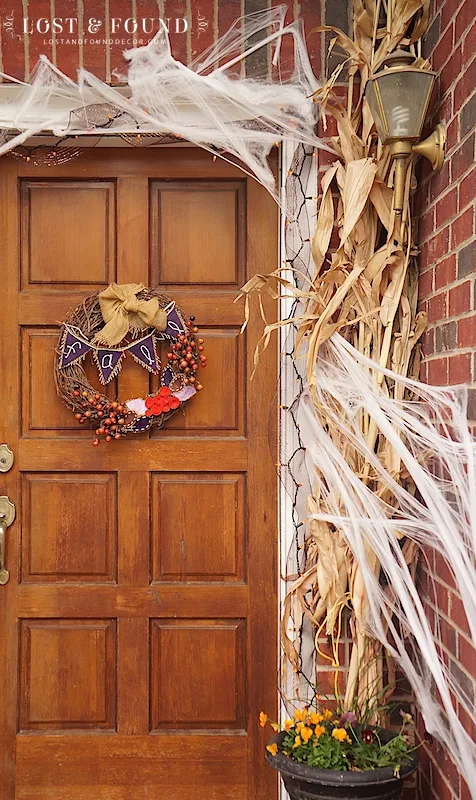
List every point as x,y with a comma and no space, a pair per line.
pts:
398,97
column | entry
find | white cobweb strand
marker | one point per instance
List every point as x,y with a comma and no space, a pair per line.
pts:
431,437
207,103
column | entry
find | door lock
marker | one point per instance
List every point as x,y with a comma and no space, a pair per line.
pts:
6,458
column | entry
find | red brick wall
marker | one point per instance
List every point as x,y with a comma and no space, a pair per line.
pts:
446,203
207,20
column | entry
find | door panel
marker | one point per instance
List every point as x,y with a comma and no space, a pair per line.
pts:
56,655
188,220
61,539
61,261
186,649
198,526
43,414
225,377
138,628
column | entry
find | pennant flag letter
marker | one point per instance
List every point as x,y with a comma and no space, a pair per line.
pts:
174,324
144,353
72,350
108,363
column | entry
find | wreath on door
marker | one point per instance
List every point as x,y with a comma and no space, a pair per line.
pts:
127,320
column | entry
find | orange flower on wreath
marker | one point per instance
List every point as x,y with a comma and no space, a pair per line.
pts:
161,403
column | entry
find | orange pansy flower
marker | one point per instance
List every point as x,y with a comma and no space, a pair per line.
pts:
297,742
306,734
315,718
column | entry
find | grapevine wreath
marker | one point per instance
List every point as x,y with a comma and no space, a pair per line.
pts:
127,319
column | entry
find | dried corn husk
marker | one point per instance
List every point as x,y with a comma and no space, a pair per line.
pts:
364,290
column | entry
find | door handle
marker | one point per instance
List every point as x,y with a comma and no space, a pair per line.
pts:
7,515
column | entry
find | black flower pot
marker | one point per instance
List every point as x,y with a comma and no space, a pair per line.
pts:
306,783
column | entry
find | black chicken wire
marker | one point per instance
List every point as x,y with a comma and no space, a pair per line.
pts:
293,474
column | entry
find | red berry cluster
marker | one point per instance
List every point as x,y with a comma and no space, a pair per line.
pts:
185,358
187,354
161,403
108,414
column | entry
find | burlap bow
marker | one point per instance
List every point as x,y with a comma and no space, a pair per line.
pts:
121,310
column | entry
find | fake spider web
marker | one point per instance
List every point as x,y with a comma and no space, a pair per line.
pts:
238,118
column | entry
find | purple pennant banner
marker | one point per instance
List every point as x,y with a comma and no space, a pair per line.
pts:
144,353
108,363
72,349
167,376
175,325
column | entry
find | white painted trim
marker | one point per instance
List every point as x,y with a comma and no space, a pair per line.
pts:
286,528
287,434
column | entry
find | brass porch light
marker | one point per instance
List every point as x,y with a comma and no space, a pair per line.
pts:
398,98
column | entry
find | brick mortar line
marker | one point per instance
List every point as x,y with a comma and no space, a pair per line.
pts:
438,262
450,90
452,284
453,183
428,750
449,354
456,657
456,44
447,288
450,251
451,21
451,623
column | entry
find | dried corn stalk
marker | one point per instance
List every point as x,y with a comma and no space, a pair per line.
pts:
364,512
367,291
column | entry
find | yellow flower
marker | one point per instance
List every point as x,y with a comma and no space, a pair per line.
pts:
340,734
300,726
306,734
288,724
301,715
272,748
297,742
263,718
274,726
315,718
326,713
319,730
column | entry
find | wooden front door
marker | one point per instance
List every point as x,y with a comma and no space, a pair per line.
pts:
138,627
